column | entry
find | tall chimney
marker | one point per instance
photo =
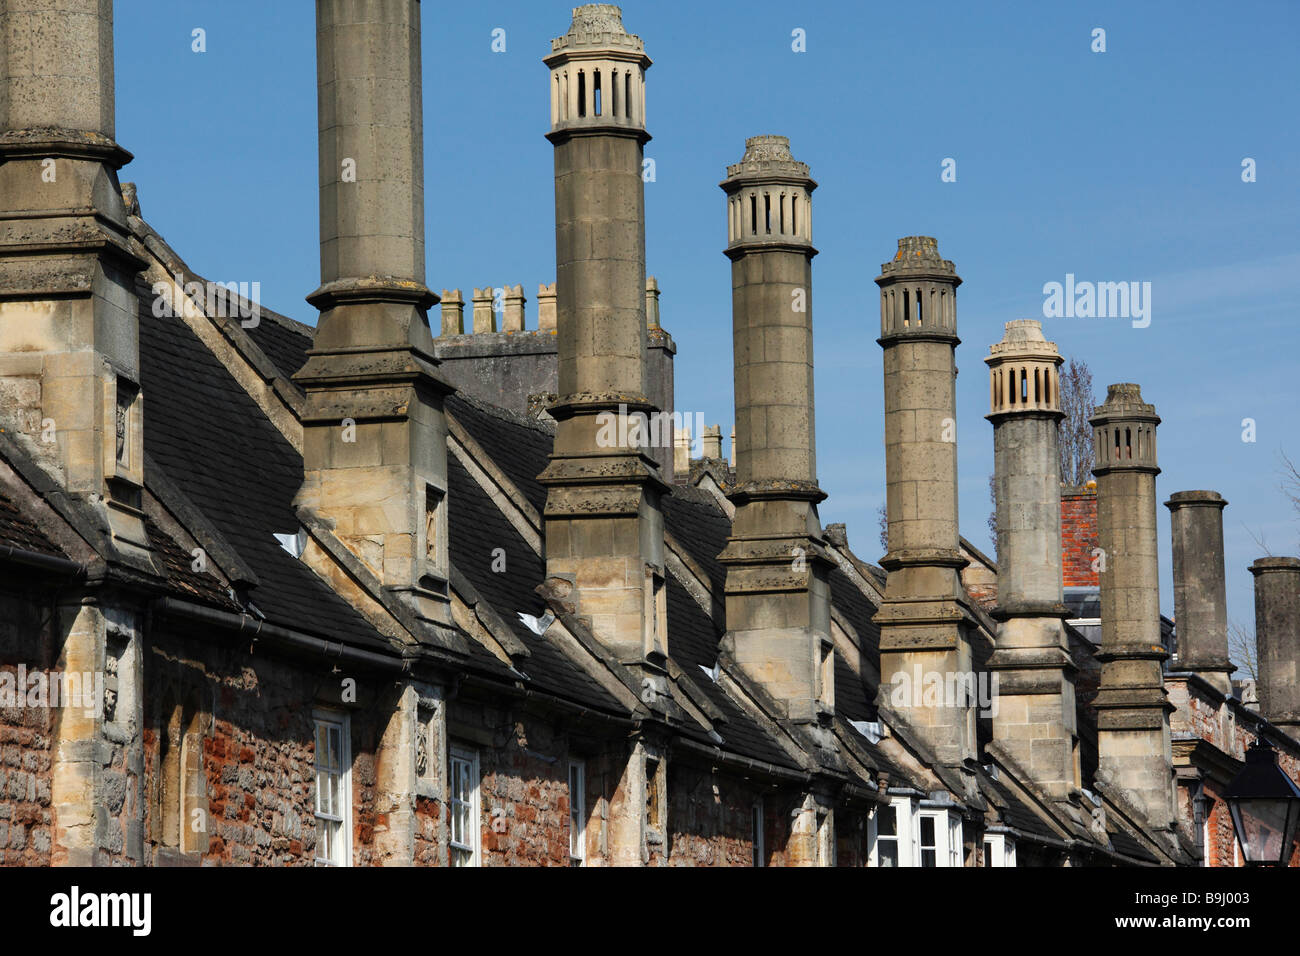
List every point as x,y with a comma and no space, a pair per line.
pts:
604,528
1277,639
1200,590
1035,719
373,425
778,611
1133,743
70,373
925,616
69,332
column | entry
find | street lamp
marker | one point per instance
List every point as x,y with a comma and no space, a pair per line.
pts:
1265,807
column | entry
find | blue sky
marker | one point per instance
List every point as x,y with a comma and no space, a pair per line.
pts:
1115,166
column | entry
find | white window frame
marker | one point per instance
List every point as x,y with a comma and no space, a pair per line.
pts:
905,833
948,847
999,850
757,822
577,813
335,817
469,848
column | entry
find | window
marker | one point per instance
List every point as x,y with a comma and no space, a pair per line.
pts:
940,835
756,834
333,790
577,812
464,807
999,850
891,834
887,836
929,841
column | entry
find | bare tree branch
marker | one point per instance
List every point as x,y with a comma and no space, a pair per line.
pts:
1078,403
1241,648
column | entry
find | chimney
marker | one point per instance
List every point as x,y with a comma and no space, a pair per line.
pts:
604,528
1133,744
711,442
69,327
485,320
682,452
1200,591
453,313
651,303
925,616
373,425
1277,639
514,313
1035,719
777,596
546,307
731,449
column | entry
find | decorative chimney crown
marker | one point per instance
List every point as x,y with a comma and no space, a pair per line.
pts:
1023,371
769,196
918,291
1124,431
598,73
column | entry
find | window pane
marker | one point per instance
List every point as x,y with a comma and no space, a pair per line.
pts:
928,858
887,852
887,821
927,832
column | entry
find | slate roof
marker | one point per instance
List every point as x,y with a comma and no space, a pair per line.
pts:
20,533
217,446
476,527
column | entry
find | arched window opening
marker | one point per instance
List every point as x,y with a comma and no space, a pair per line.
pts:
582,93
1038,388
918,307
613,94
1024,387
783,214
907,313
595,90
753,215
767,213
794,215
627,95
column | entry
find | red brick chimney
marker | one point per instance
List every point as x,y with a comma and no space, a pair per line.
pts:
1079,536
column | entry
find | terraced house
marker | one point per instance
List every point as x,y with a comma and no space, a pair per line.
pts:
356,594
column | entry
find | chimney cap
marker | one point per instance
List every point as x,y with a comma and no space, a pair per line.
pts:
1124,401
767,158
917,255
1180,499
1274,564
1023,338
597,28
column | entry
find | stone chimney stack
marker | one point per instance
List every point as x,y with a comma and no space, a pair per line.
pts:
1133,745
373,425
711,442
777,596
925,616
453,312
483,316
1200,590
1035,719
651,303
546,307
1277,639
604,528
69,332
513,319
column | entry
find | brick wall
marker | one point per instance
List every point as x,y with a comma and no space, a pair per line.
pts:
1078,537
26,816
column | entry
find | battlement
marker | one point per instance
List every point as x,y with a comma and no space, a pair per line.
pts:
597,26
509,302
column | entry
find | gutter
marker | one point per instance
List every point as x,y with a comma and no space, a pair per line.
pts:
241,623
756,766
45,562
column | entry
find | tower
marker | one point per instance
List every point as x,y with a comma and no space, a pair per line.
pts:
777,595
1133,743
604,528
1035,718
924,616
